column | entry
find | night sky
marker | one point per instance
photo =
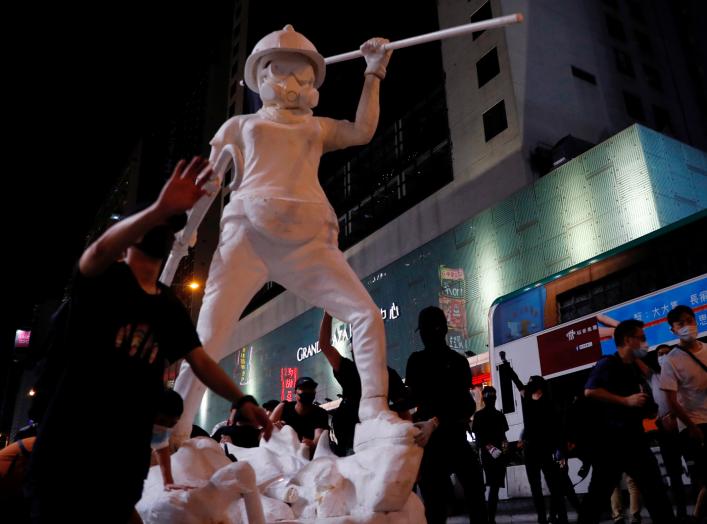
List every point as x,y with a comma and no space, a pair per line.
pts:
86,83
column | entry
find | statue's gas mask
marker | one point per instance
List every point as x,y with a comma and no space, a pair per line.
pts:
286,80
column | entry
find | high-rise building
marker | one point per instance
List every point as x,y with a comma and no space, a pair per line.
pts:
519,102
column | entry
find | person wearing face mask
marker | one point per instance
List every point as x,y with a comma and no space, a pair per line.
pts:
308,420
683,377
667,434
124,329
439,379
169,410
489,427
622,400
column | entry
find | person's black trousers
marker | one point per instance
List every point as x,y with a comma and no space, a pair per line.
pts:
614,455
449,452
539,458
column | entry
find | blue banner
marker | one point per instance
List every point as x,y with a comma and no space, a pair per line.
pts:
653,310
519,317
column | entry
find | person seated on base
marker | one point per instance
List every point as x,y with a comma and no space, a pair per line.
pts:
270,406
242,433
308,420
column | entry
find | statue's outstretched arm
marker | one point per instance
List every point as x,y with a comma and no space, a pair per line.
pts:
361,131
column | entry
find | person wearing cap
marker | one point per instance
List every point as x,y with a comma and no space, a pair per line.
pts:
308,420
489,427
278,224
124,329
439,379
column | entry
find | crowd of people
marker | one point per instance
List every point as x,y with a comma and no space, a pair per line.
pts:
603,428
124,328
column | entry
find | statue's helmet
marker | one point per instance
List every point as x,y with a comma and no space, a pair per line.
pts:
285,40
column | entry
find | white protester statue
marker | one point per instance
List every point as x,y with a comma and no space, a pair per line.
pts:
278,224
277,482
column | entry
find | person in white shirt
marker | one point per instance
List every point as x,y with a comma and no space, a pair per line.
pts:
683,377
668,435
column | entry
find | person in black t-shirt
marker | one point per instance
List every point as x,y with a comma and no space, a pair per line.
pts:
622,400
308,420
217,430
270,405
439,379
489,427
124,329
242,433
346,374
238,429
540,441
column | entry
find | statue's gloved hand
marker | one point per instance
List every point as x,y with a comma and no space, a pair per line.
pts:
376,57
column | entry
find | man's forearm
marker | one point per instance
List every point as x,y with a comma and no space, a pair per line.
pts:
605,396
677,409
165,460
276,414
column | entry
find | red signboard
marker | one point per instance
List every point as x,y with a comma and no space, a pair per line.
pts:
568,347
482,378
288,379
22,338
455,311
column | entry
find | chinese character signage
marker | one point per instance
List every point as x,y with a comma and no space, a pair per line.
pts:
455,311
569,346
288,379
243,368
452,282
390,313
452,300
22,338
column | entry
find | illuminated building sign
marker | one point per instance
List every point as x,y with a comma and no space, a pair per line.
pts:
452,300
480,379
342,333
288,379
243,368
309,351
22,338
